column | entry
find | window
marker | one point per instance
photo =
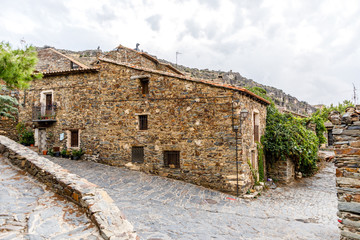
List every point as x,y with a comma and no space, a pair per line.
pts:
137,154
143,122
74,65
48,102
172,159
256,127
144,84
74,138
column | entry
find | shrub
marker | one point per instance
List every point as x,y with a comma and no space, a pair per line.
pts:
287,137
26,136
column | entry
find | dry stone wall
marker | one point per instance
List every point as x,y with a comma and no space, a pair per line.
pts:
96,202
187,116
347,161
283,171
8,127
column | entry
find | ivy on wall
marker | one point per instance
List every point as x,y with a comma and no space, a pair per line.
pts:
288,137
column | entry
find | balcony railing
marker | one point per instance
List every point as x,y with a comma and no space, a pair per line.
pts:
45,113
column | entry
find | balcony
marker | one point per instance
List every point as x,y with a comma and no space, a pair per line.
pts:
45,113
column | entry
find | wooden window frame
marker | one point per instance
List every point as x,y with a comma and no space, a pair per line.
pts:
137,154
143,122
144,85
256,127
74,132
172,158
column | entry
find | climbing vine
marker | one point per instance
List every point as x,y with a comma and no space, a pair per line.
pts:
288,137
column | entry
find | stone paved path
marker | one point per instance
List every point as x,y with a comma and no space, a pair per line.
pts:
161,208
28,211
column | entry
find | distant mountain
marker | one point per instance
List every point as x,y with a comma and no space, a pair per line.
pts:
282,100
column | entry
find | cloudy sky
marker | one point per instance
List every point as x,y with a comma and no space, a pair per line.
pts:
308,48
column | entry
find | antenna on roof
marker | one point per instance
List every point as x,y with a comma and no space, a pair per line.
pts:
177,53
137,47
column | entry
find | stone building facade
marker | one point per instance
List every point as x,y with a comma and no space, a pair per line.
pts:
346,133
154,118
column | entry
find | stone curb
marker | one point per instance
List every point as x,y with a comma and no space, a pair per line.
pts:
98,204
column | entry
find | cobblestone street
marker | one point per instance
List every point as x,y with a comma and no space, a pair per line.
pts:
29,211
161,208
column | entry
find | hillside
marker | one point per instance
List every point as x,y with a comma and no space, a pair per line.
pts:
282,100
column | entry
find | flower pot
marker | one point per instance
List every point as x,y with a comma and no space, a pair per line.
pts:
31,145
56,154
75,157
45,152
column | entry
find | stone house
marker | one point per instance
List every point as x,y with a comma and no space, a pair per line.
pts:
128,108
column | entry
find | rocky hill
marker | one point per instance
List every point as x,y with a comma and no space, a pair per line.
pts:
282,100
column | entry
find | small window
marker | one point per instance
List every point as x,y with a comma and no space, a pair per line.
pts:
172,159
144,84
74,138
137,154
74,65
143,122
256,127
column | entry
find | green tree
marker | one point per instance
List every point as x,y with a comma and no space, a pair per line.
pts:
17,70
17,66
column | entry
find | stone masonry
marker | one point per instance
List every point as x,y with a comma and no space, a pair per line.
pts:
95,201
189,116
347,161
283,171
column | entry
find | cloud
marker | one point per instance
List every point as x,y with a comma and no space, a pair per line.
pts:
210,3
278,43
154,22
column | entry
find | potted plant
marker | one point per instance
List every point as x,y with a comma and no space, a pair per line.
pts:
76,154
50,152
56,151
65,153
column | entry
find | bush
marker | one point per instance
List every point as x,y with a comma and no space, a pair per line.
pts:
26,136
287,137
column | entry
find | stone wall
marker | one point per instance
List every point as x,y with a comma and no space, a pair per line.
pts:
8,127
283,171
96,202
184,115
347,161
52,60
127,55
